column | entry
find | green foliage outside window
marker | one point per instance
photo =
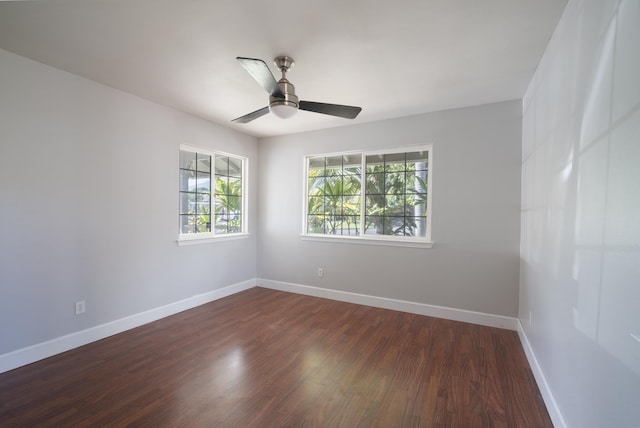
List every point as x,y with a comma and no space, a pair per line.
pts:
395,194
210,186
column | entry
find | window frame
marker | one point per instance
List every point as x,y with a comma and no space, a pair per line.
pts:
371,239
212,236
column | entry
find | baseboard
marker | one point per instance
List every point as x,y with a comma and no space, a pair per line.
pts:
541,380
472,317
52,347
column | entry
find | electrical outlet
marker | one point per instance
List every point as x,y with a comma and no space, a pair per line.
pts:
320,272
80,307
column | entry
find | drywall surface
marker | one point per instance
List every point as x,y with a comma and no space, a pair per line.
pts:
89,205
475,216
580,244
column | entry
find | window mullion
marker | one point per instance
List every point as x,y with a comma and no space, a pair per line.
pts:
363,192
212,194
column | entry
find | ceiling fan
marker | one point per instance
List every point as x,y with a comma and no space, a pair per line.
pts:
283,101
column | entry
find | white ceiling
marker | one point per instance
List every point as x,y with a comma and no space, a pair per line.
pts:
392,58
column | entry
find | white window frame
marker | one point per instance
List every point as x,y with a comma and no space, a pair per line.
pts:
212,236
389,240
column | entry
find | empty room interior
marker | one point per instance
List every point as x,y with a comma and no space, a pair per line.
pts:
337,214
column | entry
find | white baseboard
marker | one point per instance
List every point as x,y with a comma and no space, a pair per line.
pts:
541,380
58,345
472,317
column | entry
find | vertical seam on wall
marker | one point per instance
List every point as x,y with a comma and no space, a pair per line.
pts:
613,22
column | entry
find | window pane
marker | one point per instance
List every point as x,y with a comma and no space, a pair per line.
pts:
417,160
315,224
315,185
332,223
416,202
203,223
333,186
393,204
410,226
333,205
234,204
235,167
187,181
235,224
187,224
316,205
352,164
222,165
220,208
374,225
417,226
221,223
235,186
394,226
394,182
204,208
187,203
375,163
333,166
375,183
187,160
316,165
228,224
221,185
375,205
350,225
204,163
351,184
350,205
203,182
394,162
417,182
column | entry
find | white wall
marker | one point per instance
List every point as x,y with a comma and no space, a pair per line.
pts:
476,202
88,205
580,244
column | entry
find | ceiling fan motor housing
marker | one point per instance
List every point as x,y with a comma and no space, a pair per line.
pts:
288,98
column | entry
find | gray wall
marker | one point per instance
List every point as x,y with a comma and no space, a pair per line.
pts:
476,202
88,205
580,267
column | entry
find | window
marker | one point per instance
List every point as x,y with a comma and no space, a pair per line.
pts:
212,194
393,204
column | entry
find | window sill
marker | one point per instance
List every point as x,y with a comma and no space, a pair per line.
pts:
366,240
194,239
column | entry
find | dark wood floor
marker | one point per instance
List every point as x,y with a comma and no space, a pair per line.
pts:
263,358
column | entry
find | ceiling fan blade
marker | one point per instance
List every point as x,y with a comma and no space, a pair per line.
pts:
348,112
259,70
251,116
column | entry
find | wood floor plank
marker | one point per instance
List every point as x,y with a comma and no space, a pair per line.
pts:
264,358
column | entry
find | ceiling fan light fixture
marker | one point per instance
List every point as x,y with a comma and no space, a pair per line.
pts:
284,109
